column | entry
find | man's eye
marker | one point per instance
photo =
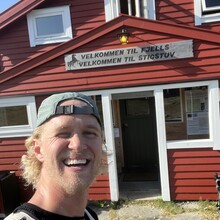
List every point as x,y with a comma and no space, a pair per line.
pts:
64,134
91,134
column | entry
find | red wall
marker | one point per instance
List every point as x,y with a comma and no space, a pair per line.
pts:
52,76
14,39
191,173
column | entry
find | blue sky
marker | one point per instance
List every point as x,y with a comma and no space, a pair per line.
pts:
4,4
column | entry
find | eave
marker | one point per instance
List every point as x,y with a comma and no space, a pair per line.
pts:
17,11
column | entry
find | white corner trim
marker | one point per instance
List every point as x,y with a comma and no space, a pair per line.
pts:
197,12
214,123
110,143
162,149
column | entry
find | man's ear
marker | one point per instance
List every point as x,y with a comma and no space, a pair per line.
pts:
38,150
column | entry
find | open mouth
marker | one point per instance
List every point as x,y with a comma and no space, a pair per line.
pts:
76,162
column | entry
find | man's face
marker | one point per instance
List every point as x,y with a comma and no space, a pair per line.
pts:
70,150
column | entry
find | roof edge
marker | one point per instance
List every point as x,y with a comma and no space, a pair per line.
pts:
17,11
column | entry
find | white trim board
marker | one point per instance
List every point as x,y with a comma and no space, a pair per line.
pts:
163,145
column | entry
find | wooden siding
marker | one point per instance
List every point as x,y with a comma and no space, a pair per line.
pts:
52,76
100,189
181,12
191,173
85,15
11,150
14,40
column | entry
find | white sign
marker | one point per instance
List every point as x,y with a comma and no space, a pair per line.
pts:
197,123
129,55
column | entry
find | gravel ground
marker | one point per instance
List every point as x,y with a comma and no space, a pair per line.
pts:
147,212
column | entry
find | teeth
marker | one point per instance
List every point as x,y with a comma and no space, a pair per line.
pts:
75,162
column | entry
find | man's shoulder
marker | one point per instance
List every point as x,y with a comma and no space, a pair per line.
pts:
90,213
19,216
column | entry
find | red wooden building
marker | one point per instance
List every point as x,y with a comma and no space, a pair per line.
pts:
158,93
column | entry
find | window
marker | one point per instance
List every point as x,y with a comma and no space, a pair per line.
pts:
206,11
172,105
210,5
50,25
17,116
139,8
197,123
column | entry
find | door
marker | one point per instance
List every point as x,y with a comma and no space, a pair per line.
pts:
139,134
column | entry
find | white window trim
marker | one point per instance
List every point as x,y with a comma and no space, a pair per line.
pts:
214,120
209,8
163,145
213,109
199,18
112,9
21,130
64,11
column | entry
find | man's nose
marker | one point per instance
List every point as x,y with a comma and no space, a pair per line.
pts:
76,143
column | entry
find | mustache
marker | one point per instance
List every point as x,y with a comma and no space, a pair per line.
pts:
73,153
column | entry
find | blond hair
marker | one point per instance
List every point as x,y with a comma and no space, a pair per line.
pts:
30,165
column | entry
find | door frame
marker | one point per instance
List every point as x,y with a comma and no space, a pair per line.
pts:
163,145
110,142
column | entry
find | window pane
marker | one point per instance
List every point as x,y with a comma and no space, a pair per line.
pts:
195,121
14,115
211,3
49,25
172,105
197,111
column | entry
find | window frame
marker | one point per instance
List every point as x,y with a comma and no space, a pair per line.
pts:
200,18
214,119
205,8
20,130
64,11
112,9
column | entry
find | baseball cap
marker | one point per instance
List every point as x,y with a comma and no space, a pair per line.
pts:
50,106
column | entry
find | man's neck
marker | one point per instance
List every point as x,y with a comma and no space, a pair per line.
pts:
57,201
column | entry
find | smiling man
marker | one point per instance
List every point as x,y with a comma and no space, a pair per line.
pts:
63,157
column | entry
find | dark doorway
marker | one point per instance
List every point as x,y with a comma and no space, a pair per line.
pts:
139,137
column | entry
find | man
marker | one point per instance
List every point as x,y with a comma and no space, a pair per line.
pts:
63,157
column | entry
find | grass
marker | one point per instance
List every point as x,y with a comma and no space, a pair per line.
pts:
207,209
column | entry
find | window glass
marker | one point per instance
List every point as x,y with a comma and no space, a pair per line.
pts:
135,8
140,8
197,111
172,105
195,121
128,8
49,25
17,116
206,11
14,115
210,5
